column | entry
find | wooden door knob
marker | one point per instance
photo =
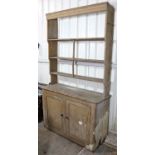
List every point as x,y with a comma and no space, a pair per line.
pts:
67,117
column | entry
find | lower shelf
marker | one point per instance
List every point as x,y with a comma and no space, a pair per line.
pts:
78,77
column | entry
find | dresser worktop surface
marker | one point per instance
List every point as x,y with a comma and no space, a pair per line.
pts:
82,94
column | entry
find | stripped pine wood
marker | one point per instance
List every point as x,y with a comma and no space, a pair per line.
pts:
73,58
78,76
78,114
78,11
72,113
53,33
78,59
108,48
78,39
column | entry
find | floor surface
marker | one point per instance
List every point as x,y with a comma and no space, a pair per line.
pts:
50,143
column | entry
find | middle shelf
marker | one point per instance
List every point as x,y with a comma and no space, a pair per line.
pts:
78,59
78,39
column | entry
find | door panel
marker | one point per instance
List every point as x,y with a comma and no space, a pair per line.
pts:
55,112
78,125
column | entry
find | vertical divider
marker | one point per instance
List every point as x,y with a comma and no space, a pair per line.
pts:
73,57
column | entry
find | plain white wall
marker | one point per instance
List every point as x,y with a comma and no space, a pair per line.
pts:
82,26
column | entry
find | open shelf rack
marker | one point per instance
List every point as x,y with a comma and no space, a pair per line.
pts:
52,23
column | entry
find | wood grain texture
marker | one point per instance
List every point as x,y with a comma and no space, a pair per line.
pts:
108,48
52,29
78,122
73,62
52,46
78,39
55,112
78,114
53,39
45,117
82,94
78,59
100,7
79,77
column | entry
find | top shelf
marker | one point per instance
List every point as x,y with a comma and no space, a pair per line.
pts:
78,39
94,8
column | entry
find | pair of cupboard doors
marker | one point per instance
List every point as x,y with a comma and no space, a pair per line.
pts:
67,116
79,115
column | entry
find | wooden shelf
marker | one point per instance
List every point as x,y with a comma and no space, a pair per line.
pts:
78,98
78,39
79,59
94,8
89,60
62,58
62,74
79,77
107,39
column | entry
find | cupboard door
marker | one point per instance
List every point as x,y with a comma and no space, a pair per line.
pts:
78,121
55,113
